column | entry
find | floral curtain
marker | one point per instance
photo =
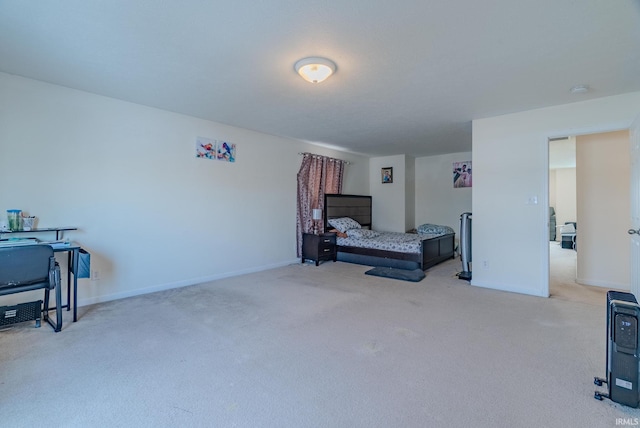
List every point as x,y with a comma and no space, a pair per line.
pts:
317,175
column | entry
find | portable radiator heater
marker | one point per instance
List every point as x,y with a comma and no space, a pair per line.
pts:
465,246
623,357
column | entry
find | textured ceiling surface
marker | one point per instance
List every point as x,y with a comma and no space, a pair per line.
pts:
411,75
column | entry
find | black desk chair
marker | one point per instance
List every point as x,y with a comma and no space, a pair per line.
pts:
32,267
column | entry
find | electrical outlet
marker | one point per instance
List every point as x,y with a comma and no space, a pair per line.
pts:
485,264
95,275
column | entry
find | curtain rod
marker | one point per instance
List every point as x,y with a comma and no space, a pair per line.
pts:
326,157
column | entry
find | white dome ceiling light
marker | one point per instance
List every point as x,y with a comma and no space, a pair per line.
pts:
315,69
579,89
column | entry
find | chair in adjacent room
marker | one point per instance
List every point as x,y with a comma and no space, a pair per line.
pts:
568,233
27,268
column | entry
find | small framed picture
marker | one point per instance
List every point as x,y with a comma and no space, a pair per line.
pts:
462,174
387,175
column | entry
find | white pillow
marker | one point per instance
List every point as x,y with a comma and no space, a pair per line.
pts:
343,224
362,233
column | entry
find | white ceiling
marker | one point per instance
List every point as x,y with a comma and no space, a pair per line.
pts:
411,75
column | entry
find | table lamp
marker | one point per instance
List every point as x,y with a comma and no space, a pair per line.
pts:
317,215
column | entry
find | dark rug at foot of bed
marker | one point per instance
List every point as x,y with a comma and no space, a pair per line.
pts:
415,275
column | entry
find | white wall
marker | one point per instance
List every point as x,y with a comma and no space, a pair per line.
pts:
604,210
410,193
437,201
151,214
422,192
389,199
510,168
552,188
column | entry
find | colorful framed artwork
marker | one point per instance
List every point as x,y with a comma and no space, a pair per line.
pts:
462,174
226,151
205,148
387,175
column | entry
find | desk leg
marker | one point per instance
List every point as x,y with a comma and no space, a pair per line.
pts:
76,257
69,266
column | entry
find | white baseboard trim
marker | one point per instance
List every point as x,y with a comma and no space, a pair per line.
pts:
508,287
604,284
179,284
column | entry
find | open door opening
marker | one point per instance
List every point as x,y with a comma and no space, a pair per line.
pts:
601,177
562,218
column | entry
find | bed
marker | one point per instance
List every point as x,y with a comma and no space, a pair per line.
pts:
422,250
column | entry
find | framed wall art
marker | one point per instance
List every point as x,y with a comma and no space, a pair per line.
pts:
207,148
387,175
226,151
462,174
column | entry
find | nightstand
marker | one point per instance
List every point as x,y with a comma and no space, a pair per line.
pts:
319,247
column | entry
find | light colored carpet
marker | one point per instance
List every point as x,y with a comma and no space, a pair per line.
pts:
562,278
306,346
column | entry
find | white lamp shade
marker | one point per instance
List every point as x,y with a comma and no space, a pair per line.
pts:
317,214
315,70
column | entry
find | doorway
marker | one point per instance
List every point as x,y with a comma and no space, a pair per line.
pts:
563,210
589,178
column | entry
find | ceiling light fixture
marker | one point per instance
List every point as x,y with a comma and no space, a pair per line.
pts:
579,89
315,69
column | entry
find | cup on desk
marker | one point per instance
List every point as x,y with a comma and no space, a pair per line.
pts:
14,218
28,222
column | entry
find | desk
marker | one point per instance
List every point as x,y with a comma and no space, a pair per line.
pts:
57,230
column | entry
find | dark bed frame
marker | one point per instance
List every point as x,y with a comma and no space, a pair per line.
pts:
358,207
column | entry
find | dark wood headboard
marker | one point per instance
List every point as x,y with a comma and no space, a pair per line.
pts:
358,207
